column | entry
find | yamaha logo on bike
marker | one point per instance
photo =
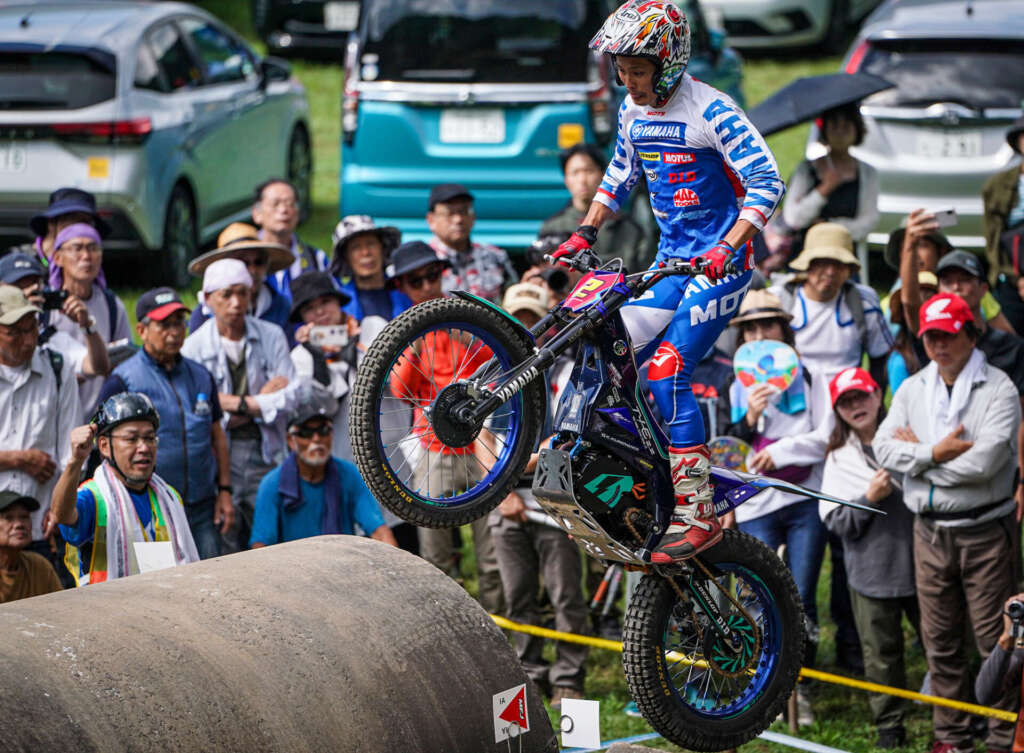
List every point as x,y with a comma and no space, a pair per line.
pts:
510,389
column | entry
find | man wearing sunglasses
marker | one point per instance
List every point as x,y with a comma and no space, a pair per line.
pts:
417,271
312,493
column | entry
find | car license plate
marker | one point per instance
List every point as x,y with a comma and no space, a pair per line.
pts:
946,144
13,157
341,16
472,126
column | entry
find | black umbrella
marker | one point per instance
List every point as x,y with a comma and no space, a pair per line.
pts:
809,97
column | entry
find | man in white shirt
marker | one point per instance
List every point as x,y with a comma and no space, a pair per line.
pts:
38,409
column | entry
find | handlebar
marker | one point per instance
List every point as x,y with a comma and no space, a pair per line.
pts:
586,262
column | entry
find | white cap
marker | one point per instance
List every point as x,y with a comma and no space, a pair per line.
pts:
224,273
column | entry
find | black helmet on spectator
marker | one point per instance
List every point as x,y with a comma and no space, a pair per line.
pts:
122,408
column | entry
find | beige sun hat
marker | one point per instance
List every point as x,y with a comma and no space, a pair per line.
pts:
238,237
14,305
760,304
526,295
826,240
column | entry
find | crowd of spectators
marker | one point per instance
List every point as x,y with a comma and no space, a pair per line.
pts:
225,427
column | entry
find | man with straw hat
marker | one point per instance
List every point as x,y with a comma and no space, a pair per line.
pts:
263,259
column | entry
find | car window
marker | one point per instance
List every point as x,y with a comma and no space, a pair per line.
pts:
526,41
974,73
223,58
54,79
171,57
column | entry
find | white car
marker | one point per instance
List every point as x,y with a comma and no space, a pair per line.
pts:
759,24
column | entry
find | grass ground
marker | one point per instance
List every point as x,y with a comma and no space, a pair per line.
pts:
843,715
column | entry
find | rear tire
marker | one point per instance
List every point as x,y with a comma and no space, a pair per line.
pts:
837,29
391,467
732,701
181,238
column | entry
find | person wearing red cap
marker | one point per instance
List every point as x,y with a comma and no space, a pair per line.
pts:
951,433
185,396
877,549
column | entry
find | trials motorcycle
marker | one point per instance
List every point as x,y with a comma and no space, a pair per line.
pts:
712,646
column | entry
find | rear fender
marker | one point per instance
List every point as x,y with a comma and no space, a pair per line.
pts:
733,488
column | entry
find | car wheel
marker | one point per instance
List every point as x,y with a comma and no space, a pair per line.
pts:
181,241
834,40
300,169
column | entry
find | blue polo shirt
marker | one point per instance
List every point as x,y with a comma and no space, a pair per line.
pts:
272,524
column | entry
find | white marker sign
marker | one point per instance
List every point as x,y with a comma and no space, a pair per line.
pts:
510,718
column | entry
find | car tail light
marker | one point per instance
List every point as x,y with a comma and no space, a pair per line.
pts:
599,97
132,131
856,58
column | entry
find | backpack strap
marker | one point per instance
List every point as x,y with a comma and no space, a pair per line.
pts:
111,311
856,306
57,364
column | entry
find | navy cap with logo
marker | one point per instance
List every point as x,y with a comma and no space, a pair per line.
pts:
447,192
158,304
67,201
16,266
965,260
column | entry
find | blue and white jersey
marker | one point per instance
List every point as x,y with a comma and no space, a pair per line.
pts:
705,166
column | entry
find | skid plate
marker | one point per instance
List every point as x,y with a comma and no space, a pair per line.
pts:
552,486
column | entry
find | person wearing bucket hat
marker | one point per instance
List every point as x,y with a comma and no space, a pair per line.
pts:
1003,225
951,435
67,206
417,270
23,574
78,252
257,386
277,212
263,259
836,320
480,268
877,549
361,251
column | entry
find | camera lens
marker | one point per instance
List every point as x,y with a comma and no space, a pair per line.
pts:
1015,610
555,278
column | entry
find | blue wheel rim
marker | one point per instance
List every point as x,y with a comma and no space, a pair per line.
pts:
407,466
714,695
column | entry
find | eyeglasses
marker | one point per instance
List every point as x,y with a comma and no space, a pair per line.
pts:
78,248
150,440
417,282
323,431
463,211
281,204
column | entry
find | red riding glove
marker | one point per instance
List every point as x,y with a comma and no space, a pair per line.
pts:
722,253
581,240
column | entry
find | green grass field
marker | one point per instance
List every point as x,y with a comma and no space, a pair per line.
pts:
843,715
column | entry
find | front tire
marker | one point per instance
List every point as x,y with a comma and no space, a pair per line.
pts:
390,444
181,238
300,169
737,694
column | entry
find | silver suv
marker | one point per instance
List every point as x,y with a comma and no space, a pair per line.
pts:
938,135
158,109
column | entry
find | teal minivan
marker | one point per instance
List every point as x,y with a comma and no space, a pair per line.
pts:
485,93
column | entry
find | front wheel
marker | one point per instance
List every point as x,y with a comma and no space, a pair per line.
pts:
691,686
420,460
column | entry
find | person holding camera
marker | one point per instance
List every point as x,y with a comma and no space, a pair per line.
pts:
1002,673
26,272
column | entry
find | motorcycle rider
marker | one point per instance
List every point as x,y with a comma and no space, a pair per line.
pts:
713,184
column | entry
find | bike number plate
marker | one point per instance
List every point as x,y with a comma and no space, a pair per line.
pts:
589,290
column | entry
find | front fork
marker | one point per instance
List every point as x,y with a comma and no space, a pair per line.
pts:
691,585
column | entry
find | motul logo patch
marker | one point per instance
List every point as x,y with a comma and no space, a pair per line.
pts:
678,158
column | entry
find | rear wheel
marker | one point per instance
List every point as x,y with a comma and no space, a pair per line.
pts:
181,242
416,455
837,28
693,687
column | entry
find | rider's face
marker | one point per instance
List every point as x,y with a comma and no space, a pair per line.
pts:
637,76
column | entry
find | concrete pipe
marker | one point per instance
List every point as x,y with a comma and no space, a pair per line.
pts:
330,644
